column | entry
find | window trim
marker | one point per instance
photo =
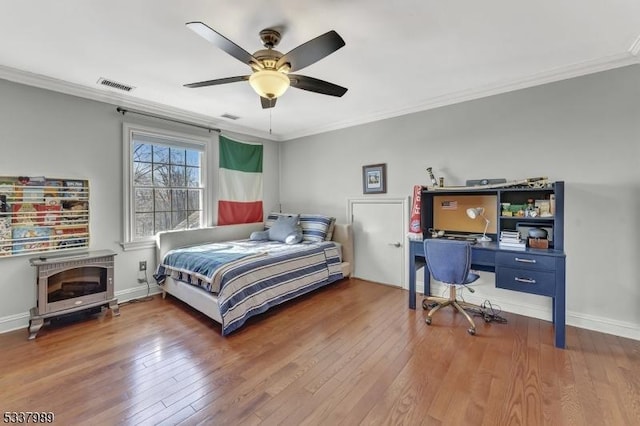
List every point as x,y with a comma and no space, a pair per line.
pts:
182,140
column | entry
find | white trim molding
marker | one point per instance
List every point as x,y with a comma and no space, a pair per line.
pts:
497,88
19,321
625,58
588,322
73,89
404,203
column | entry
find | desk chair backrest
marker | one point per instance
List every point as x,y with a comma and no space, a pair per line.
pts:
449,261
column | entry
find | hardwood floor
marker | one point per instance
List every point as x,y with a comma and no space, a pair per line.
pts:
352,353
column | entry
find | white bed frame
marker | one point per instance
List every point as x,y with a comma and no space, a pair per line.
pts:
206,302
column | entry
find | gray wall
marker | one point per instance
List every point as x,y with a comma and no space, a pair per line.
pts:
585,131
44,133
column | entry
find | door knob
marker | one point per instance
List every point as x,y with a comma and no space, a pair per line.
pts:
395,244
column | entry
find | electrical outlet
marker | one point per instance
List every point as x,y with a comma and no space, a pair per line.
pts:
142,266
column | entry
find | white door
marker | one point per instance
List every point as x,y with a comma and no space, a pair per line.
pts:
379,234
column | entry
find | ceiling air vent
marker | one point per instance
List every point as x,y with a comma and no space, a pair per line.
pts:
229,116
115,85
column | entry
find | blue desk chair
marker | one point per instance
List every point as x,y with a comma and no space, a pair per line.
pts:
450,262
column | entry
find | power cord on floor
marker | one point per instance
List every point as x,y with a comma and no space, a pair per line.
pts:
146,298
488,311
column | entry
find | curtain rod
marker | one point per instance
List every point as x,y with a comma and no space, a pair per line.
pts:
123,111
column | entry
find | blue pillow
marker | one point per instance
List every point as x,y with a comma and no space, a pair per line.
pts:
294,238
283,227
315,227
271,219
259,236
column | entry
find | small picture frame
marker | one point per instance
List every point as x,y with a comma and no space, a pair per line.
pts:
374,179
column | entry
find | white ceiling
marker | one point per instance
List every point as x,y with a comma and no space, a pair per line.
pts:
400,57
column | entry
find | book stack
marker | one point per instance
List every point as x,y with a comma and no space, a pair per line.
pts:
512,240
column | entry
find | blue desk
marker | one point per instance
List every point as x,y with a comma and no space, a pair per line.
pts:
534,271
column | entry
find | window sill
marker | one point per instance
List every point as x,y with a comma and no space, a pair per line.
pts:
138,245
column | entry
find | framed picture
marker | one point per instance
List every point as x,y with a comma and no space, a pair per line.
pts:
374,179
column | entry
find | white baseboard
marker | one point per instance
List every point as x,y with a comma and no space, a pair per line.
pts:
137,292
575,319
19,321
15,322
589,322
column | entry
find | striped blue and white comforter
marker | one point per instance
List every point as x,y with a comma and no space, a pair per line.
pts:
249,277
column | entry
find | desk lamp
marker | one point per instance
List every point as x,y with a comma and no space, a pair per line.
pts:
474,213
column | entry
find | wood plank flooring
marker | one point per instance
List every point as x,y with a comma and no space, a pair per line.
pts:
350,354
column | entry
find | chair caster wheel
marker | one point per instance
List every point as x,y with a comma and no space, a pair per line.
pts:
425,305
487,318
472,331
428,321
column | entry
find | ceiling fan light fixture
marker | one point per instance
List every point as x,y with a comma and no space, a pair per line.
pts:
269,83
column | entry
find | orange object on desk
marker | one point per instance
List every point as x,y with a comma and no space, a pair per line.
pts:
541,243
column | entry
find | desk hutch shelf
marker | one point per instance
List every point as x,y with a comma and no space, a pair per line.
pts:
538,271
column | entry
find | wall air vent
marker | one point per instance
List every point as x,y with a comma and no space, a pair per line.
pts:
115,85
229,116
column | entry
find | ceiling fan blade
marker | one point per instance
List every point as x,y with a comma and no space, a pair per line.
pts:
312,51
314,85
214,37
217,81
268,103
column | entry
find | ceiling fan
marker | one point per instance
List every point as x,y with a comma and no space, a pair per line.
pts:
270,77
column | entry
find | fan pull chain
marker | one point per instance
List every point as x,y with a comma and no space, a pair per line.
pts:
270,109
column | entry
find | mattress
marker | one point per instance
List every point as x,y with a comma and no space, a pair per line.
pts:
253,276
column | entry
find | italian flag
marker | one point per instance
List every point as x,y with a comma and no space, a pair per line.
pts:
240,182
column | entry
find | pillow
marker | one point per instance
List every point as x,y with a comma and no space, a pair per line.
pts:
294,238
332,225
271,219
282,227
259,235
315,227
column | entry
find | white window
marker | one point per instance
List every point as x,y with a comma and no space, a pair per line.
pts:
165,183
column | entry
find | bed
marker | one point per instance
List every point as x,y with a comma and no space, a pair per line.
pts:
236,290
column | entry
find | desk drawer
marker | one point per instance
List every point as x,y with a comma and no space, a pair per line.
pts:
526,280
483,257
526,260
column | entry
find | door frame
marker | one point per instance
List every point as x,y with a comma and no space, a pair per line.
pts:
404,202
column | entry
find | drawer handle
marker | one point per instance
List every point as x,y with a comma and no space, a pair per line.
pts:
525,280
525,260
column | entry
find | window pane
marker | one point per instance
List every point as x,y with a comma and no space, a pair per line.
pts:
177,155
193,176
193,199
179,200
193,158
143,225
160,154
142,174
162,200
162,221
177,176
161,175
195,219
161,170
179,220
143,200
142,152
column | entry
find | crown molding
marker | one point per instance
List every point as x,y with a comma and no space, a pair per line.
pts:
550,76
630,57
126,101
